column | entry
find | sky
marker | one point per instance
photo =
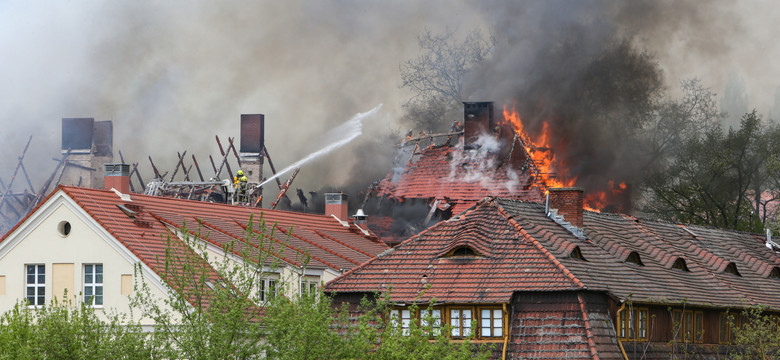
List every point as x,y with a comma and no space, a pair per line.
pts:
172,75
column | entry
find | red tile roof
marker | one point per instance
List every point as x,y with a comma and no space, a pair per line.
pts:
315,240
461,177
521,249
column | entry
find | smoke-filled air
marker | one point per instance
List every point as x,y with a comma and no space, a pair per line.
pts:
171,75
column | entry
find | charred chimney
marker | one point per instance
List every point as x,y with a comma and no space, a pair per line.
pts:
478,119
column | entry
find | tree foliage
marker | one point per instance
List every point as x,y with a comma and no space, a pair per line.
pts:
64,330
713,177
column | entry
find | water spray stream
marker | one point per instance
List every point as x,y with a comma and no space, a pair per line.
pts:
350,130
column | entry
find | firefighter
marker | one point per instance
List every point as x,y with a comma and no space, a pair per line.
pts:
240,182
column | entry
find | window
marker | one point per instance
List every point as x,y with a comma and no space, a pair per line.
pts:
432,319
491,322
460,321
727,323
268,288
775,273
36,285
632,324
309,285
402,318
93,284
698,327
688,325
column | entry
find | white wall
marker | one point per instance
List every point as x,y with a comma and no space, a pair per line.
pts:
41,243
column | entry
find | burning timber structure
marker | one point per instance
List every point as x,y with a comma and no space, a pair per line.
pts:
87,154
437,176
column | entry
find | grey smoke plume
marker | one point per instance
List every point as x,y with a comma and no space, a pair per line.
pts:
173,74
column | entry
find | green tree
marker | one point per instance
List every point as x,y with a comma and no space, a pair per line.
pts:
217,309
713,178
64,330
756,336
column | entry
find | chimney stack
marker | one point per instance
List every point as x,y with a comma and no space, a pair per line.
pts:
336,204
89,144
568,201
117,176
478,119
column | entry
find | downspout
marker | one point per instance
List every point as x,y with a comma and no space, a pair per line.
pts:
620,343
506,333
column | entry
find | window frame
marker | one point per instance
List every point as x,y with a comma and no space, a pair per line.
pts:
493,318
268,287
38,287
633,324
461,323
94,285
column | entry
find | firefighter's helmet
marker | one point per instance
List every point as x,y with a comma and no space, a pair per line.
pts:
240,173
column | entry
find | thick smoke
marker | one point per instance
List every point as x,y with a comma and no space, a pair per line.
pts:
594,70
173,74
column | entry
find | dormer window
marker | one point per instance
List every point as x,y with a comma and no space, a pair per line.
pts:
633,258
463,251
731,268
680,264
775,274
576,253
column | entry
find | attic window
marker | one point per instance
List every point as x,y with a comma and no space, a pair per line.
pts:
64,228
731,268
633,258
679,264
576,253
462,251
775,274
130,213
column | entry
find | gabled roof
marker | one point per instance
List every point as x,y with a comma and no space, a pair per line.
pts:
323,239
523,250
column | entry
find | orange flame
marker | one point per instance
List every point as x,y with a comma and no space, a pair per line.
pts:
549,172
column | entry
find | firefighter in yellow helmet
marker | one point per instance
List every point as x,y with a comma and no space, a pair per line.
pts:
240,182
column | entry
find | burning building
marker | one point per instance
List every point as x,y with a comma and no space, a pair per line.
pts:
437,176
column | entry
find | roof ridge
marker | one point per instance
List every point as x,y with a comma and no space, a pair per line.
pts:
539,246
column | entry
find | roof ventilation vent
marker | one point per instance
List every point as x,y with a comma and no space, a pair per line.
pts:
680,264
731,268
775,273
633,258
576,253
463,251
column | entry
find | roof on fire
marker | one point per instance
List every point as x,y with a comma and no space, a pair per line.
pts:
461,177
502,246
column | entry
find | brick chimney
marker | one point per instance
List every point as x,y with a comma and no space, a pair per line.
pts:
477,119
336,204
117,176
568,201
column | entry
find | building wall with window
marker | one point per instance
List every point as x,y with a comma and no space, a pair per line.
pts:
59,251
